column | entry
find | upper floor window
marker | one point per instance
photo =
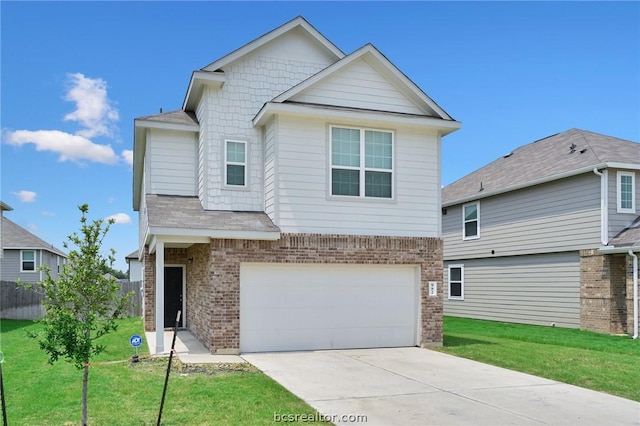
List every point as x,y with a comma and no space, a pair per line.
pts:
626,192
361,163
235,163
471,221
27,261
456,282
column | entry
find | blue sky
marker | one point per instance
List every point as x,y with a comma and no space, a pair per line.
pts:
76,74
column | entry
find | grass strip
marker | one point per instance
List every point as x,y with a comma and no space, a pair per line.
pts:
591,360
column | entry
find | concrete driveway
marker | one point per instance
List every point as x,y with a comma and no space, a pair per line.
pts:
413,386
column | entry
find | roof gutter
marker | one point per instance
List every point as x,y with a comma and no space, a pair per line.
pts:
330,112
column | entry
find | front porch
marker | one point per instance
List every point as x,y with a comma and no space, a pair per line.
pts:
188,349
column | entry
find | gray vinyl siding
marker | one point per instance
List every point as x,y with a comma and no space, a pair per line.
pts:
11,266
540,289
558,216
619,221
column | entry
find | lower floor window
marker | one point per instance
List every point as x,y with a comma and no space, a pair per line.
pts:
456,282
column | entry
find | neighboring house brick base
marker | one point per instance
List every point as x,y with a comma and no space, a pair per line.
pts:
213,277
606,291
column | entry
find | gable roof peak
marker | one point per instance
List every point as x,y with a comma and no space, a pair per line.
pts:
383,65
212,73
297,22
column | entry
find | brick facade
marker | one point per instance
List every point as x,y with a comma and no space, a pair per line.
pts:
606,292
213,277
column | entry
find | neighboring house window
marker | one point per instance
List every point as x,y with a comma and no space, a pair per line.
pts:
626,192
361,163
27,261
471,221
235,163
456,282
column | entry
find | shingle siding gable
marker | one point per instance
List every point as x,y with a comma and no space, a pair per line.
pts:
227,113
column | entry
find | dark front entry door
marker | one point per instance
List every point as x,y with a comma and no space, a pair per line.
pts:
172,295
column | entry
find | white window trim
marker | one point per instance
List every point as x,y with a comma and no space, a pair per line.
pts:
35,263
235,163
461,297
464,222
362,168
619,192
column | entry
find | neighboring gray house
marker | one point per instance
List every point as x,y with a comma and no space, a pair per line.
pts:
135,266
24,253
293,203
547,235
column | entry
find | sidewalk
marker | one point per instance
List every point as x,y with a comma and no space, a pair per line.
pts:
189,349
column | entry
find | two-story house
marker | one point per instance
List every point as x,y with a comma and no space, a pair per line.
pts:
293,202
548,235
25,253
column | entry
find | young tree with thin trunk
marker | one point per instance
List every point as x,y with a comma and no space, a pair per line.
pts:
81,304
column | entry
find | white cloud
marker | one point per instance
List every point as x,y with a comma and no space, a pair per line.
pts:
26,196
32,227
127,156
93,107
47,213
94,113
121,218
70,147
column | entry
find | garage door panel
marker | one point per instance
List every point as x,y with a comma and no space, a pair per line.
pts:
344,338
307,307
318,318
316,296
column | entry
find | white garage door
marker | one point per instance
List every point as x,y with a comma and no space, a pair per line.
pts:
287,307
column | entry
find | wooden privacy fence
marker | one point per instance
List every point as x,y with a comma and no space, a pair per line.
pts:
19,303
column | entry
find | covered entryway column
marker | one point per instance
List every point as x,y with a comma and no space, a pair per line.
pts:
159,296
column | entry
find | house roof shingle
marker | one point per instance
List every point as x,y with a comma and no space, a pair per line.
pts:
16,237
171,211
628,237
555,155
172,117
132,255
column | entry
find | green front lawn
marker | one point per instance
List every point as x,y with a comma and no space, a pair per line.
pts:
591,360
121,393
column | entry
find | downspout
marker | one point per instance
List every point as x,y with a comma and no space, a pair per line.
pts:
604,207
635,293
40,272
